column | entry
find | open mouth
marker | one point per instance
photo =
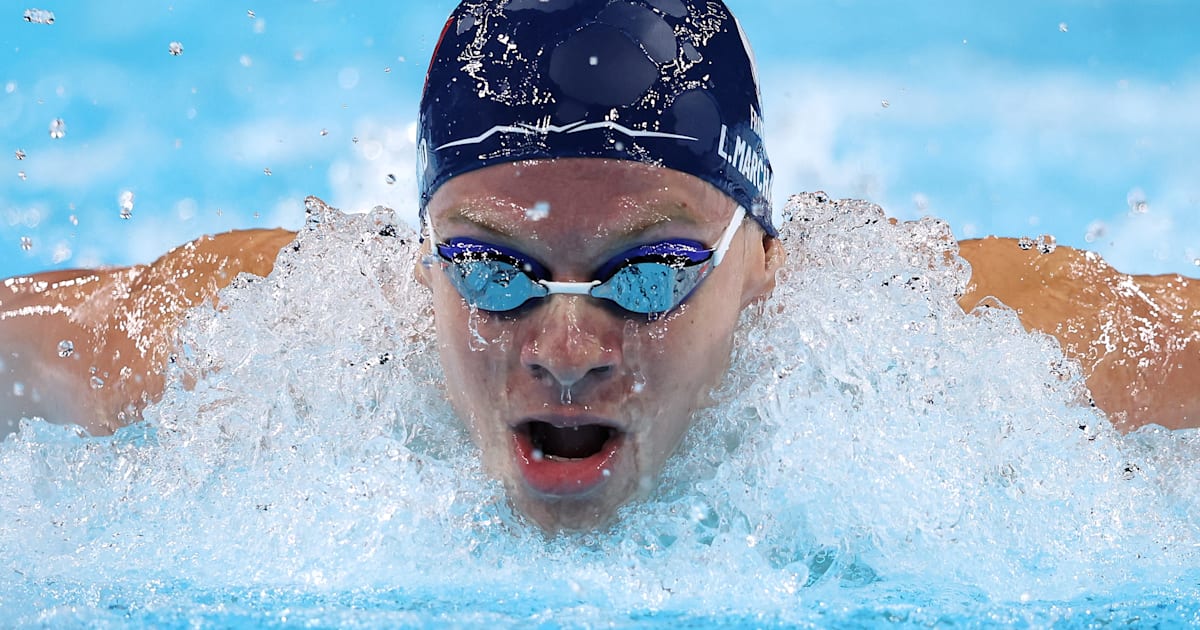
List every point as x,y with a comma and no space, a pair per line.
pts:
567,443
565,460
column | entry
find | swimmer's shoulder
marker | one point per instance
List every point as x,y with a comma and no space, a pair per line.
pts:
198,269
1137,337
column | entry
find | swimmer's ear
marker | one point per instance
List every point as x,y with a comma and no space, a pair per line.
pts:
765,256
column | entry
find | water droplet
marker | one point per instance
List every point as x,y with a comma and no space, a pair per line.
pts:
564,395
620,146
324,132
390,179
39,16
58,128
126,202
175,48
20,154
1062,27
539,211
885,104
73,219
606,472
354,139
1025,243
1196,262
387,69
18,388
246,61
10,87
21,174
96,382
1046,244
593,60
26,243
1096,230
267,171
1136,199
250,13
537,455
66,348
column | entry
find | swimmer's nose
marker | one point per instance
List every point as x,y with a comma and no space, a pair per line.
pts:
571,342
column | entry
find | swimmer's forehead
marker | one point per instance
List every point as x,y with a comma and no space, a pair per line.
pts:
635,218
588,197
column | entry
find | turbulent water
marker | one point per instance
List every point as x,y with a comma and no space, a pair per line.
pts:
876,456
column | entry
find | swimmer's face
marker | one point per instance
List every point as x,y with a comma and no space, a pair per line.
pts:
574,403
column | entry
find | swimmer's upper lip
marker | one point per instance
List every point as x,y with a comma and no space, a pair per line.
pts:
566,421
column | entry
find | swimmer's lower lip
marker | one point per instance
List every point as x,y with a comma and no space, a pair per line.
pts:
562,476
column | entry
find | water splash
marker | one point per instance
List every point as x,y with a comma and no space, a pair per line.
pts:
39,16
873,451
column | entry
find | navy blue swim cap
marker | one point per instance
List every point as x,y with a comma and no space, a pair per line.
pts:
664,82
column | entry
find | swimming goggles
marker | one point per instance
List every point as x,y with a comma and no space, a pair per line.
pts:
648,279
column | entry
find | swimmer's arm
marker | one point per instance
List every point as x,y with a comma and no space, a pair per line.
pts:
121,327
1136,337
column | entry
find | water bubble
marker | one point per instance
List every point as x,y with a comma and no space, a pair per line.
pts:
58,128
10,87
26,243
66,348
39,16
1096,230
593,60
885,104
260,26
1136,199
126,202
18,389
246,61
96,382
387,69
73,219
1196,262
539,211
324,132
20,154
1062,27
354,139
537,455
267,171
390,179
21,174
1025,243
175,48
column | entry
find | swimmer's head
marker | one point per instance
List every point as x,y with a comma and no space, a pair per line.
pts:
670,83
584,166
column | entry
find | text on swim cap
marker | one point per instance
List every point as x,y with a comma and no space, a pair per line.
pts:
750,163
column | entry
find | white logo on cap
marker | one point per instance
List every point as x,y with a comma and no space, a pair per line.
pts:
575,127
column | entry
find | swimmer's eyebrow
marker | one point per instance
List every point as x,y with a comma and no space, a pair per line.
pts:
654,216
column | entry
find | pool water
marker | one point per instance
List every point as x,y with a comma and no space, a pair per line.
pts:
875,457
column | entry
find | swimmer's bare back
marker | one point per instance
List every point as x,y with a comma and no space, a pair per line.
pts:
90,346
1136,337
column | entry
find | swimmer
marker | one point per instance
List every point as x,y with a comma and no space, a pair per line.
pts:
593,179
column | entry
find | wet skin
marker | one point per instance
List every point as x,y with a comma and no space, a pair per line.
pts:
605,395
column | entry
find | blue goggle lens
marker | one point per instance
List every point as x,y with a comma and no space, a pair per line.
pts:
648,280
